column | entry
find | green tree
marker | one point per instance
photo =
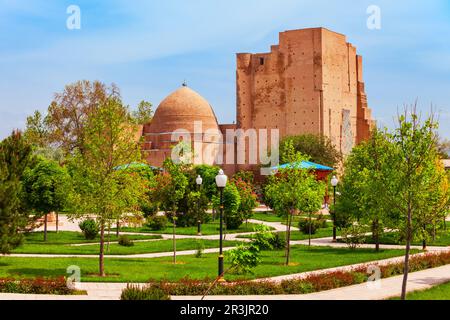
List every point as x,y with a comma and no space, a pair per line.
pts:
317,148
48,189
170,189
411,174
233,218
362,184
15,157
37,131
69,112
144,112
293,189
249,199
108,142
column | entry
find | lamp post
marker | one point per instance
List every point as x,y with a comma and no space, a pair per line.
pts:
334,183
199,182
221,182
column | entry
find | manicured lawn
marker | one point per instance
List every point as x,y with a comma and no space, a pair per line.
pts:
69,237
440,292
442,239
268,217
211,228
298,235
141,270
115,249
271,217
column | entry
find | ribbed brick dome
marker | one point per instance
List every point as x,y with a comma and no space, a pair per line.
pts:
179,111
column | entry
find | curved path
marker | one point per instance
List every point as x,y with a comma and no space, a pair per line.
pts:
382,289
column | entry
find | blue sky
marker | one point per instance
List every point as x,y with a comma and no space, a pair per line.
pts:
149,47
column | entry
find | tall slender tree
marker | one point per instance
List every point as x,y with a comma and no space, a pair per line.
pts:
294,189
410,176
104,191
15,157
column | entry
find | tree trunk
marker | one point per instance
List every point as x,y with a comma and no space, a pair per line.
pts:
57,222
102,249
376,235
424,241
45,228
118,228
174,242
408,248
288,237
310,222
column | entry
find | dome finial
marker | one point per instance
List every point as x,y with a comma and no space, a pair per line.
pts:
184,84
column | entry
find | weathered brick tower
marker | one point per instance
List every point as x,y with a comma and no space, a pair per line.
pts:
311,82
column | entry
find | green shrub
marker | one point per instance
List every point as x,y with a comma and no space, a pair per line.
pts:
90,228
304,224
125,241
157,222
354,236
200,249
231,203
132,292
35,286
149,209
321,221
312,283
263,238
278,242
243,258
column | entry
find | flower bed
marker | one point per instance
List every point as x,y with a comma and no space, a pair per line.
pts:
54,286
309,284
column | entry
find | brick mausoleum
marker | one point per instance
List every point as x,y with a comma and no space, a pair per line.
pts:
311,82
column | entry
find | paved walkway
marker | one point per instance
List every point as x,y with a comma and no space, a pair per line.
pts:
384,289
328,242
117,256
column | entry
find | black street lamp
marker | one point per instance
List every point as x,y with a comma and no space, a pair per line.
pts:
334,183
221,182
199,182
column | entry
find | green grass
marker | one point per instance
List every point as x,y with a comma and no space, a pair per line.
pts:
69,237
268,217
211,228
442,239
115,249
271,217
439,292
298,235
141,270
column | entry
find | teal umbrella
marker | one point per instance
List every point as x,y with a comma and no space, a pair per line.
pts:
133,165
304,165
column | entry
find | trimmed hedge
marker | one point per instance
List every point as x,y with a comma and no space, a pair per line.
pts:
54,286
312,283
